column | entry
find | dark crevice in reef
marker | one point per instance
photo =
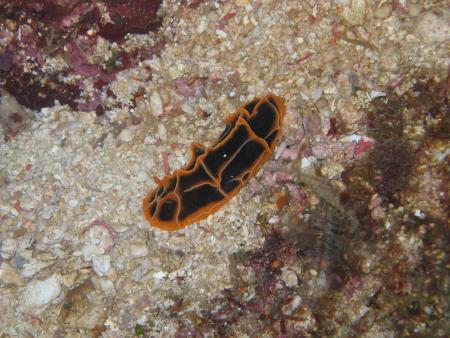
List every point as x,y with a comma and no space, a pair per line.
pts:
39,90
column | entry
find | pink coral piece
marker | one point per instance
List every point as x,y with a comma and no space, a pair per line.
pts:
363,145
79,63
278,178
183,89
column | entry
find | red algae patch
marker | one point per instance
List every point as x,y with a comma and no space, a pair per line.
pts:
130,16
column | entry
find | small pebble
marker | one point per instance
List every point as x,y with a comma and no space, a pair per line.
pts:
274,219
419,214
38,294
296,302
383,12
9,246
308,161
202,25
138,251
159,275
221,33
289,277
413,10
188,108
9,275
101,264
97,240
77,159
108,287
72,203
156,104
162,132
316,94
355,12
149,139
141,271
105,186
126,135
366,266
34,266
242,3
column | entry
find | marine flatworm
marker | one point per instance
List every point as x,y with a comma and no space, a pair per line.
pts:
216,173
